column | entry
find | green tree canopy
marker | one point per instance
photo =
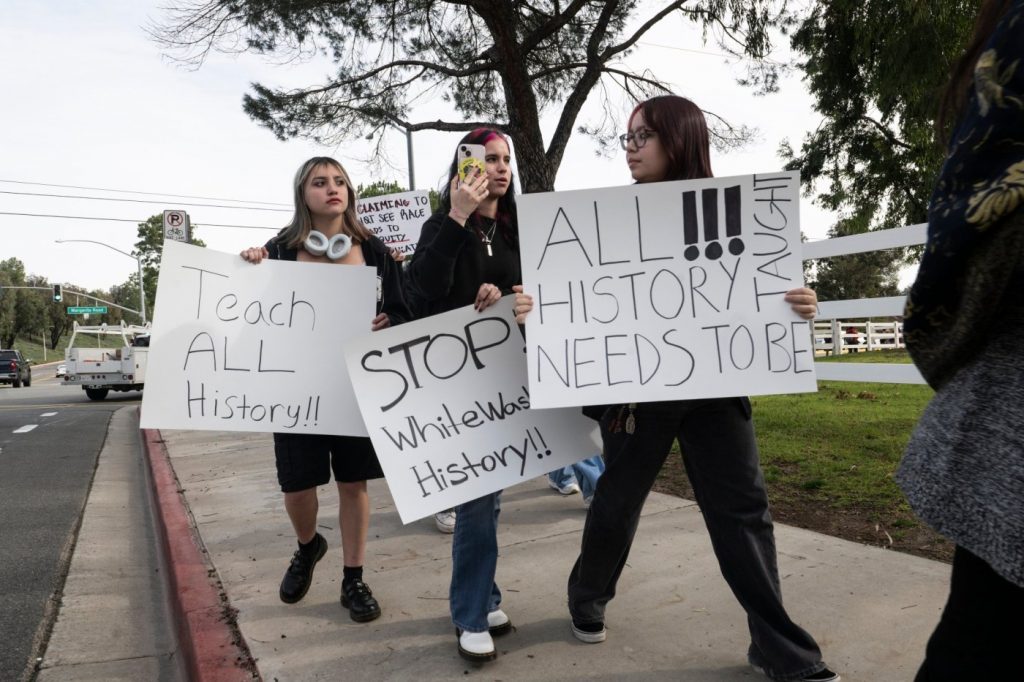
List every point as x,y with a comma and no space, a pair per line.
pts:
499,63
875,69
12,273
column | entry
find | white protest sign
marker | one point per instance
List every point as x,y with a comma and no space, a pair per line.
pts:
664,291
396,219
445,402
243,347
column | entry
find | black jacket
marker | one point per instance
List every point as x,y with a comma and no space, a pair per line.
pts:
451,263
391,299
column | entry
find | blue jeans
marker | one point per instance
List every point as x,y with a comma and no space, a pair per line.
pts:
473,593
586,472
720,455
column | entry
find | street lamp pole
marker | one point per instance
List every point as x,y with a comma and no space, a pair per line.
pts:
408,145
138,262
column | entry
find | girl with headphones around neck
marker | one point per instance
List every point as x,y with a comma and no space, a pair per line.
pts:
325,229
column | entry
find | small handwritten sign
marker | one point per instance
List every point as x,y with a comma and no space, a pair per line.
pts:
243,347
665,291
396,219
446,404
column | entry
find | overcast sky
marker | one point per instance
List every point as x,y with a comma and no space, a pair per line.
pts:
90,102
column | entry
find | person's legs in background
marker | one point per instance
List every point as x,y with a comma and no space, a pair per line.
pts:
564,481
445,521
587,472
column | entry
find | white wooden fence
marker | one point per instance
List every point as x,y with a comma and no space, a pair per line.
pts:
834,337
835,316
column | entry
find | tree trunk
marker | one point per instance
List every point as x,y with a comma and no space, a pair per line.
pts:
535,170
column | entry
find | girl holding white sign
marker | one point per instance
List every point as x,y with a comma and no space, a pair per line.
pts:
668,140
325,229
468,253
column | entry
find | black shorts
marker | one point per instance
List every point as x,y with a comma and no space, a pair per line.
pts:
305,460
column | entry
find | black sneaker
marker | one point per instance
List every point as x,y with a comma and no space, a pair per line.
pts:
299,575
358,599
590,633
823,675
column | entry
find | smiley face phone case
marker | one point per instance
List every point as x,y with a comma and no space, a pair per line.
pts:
470,156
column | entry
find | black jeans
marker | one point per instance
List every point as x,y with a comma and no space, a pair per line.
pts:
716,437
981,629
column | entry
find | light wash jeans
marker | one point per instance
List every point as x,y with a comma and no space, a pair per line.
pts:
473,593
586,472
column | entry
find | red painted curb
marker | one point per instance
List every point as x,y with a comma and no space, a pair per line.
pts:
213,651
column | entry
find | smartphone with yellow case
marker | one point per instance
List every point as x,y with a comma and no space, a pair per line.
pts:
470,156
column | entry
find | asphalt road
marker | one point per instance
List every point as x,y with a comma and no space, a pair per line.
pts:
50,439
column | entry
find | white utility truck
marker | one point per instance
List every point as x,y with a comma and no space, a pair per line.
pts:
99,370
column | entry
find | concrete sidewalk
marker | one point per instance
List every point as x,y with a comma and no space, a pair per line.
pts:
871,610
113,621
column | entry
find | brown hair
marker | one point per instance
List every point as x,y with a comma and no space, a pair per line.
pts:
955,94
683,132
295,232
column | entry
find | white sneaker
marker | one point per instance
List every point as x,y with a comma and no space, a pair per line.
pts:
570,488
476,646
445,521
498,623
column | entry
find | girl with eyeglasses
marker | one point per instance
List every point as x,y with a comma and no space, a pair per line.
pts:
325,229
668,140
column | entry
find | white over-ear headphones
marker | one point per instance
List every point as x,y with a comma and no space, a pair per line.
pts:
335,248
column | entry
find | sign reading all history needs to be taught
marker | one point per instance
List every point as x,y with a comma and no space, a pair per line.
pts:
446,403
243,347
664,291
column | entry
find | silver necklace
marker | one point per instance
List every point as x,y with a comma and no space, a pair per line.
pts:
488,238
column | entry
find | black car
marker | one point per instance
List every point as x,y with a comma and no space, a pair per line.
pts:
15,369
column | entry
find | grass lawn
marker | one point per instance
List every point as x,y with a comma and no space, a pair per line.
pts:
829,459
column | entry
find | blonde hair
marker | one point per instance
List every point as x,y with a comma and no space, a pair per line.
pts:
294,233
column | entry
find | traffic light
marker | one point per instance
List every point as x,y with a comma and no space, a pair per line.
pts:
56,293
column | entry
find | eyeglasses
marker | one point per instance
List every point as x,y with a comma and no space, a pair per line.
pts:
639,138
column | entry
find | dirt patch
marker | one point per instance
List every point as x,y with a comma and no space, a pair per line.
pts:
897,530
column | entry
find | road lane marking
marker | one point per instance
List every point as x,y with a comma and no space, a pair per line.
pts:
47,414
26,429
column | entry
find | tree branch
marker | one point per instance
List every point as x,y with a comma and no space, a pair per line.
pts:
551,28
888,134
647,25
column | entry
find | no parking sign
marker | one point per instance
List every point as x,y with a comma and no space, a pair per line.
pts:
176,226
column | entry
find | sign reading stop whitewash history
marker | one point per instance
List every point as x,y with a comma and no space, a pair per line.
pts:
243,347
396,219
446,403
664,291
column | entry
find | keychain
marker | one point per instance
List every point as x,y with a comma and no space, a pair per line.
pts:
631,420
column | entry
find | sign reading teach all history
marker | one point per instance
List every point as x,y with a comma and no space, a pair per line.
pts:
665,291
243,347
